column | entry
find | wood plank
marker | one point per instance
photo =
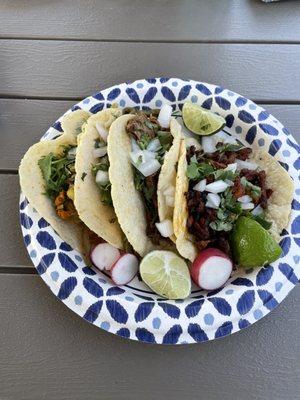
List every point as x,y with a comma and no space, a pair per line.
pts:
77,69
47,352
22,123
12,249
159,20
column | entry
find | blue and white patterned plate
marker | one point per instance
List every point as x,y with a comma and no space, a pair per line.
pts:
133,311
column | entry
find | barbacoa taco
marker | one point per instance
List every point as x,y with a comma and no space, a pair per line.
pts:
143,151
214,189
47,175
92,188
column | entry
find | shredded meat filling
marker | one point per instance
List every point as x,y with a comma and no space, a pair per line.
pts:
138,126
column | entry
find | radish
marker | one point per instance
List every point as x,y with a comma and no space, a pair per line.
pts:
211,269
104,256
124,269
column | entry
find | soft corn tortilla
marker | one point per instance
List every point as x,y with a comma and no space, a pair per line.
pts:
167,176
33,184
277,212
127,200
98,217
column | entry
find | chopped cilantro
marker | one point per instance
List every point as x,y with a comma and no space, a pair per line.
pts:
255,190
165,139
222,148
144,141
221,226
58,172
197,171
224,174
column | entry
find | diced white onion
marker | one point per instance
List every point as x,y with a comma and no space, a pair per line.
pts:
72,153
245,199
229,182
148,155
165,228
148,168
246,165
170,191
231,167
216,187
230,140
200,186
164,116
134,145
100,152
154,145
137,157
257,210
213,200
247,206
102,131
189,142
102,177
208,144
170,201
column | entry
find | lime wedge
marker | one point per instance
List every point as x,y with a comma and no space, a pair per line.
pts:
201,121
166,274
252,245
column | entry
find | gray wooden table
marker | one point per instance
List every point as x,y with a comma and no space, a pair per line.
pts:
54,52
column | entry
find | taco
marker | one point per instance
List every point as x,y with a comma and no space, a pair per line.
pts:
143,160
92,197
214,189
47,176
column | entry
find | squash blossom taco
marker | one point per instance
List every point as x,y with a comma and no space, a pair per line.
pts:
227,197
143,150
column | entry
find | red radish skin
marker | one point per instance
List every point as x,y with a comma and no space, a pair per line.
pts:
125,269
211,269
104,256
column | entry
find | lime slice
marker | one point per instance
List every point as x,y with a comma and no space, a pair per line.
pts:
166,274
201,121
252,245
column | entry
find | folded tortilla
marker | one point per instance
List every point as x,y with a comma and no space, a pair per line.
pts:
33,185
98,217
278,209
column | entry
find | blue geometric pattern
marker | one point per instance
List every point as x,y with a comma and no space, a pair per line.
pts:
133,311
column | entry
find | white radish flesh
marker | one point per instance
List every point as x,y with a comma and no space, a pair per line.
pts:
164,116
246,165
200,186
104,256
211,269
208,144
245,199
100,152
216,187
150,167
213,200
165,228
154,145
125,269
102,177
102,131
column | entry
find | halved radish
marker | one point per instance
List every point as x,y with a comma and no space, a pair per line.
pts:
104,256
125,269
211,269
